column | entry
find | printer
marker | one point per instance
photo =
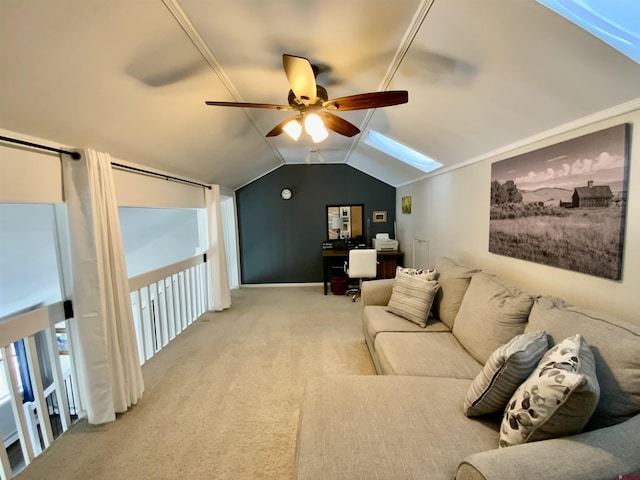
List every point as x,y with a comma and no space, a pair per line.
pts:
383,242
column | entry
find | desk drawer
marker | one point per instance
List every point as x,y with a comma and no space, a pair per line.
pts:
387,265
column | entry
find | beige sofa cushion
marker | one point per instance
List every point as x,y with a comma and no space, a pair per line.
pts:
557,399
376,319
428,354
616,348
492,313
454,280
507,367
386,427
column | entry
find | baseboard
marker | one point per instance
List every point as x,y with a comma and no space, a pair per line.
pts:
271,285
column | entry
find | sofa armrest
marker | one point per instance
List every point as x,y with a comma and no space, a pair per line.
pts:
377,292
605,453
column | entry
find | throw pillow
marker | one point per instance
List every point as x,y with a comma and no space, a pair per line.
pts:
615,345
412,295
428,274
504,372
557,399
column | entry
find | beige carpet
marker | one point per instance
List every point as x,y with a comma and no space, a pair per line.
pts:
222,400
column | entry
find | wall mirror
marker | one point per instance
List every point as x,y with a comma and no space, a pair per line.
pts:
345,221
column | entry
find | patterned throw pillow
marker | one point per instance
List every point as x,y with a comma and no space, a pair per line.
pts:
412,295
557,399
427,274
504,372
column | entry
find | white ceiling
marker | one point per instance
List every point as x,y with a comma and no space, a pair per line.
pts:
131,78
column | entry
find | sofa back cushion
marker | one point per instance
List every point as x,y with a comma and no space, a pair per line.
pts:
453,279
491,314
616,349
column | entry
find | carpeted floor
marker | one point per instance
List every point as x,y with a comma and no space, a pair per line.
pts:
222,400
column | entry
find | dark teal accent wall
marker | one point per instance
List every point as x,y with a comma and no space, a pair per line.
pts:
281,240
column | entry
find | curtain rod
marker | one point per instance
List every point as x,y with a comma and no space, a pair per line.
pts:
77,156
74,155
156,174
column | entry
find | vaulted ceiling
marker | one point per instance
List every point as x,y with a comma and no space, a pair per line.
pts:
131,78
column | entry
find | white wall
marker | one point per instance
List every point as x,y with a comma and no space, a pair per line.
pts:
28,175
451,210
136,190
156,237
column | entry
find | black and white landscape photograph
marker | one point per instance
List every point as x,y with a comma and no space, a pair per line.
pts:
564,205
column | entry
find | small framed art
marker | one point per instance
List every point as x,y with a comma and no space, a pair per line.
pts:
406,204
379,216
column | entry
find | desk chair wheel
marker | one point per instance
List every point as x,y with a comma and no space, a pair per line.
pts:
356,292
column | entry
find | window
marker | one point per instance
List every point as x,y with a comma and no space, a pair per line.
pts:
613,22
400,152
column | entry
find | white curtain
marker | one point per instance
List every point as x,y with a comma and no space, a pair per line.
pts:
216,258
103,333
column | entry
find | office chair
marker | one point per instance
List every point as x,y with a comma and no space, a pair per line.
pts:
362,264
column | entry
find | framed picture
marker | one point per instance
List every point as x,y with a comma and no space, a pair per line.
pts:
379,216
406,204
564,205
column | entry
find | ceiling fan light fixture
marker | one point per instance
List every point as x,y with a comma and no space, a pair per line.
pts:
312,103
320,137
315,127
293,129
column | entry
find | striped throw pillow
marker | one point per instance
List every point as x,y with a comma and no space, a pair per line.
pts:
507,367
412,295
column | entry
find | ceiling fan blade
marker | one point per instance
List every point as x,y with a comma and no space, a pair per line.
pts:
278,129
301,78
250,105
364,101
338,125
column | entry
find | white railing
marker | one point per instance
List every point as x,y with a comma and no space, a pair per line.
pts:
166,301
29,415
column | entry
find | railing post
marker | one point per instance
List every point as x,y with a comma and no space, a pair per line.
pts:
58,378
16,406
175,315
139,325
5,472
148,323
182,287
36,379
181,295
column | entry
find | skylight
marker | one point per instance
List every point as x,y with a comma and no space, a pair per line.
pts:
401,152
616,22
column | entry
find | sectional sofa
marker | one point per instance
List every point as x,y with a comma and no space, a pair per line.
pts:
491,382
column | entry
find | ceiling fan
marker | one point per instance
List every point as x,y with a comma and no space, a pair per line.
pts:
313,105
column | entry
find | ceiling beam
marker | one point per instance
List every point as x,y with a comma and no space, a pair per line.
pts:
187,26
409,36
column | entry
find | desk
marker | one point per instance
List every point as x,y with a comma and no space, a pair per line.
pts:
388,260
